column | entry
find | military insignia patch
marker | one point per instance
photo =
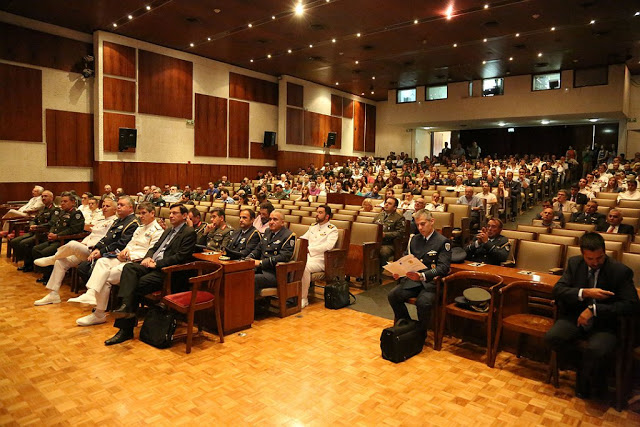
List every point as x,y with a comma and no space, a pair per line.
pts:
447,246
277,242
292,242
120,228
78,215
432,253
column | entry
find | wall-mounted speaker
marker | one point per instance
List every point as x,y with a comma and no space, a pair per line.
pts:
127,139
269,139
331,139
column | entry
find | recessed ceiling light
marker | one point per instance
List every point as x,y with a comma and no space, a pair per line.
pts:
362,94
517,34
191,44
115,25
636,14
484,40
251,60
545,122
502,124
250,25
449,12
358,35
455,45
593,21
333,40
288,50
337,83
310,45
511,58
208,39
269,56
486,6
216,11
373,78
357,62
539,54
593,120
148,7
372,92
484,62
299,9
415,21
130,17
553,28
273,17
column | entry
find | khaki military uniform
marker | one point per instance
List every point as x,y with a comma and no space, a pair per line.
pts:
392,228
219,238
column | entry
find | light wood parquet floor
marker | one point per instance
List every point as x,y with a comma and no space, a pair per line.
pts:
320,368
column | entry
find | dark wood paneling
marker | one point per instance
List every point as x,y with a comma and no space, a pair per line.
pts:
46,50
111,123
119,60
347,108
211,126
336,126
294,126
295,95
119,95
317,127
292,160
336,105
133,176
267,153
22,190
69,138
252,89
20,103
238,129
165,85
370,128
358,125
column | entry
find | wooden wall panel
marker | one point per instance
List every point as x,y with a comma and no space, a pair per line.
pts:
295,126
370,128
238,129
358,125
252,89
267,153
22,190
293,160
317,127
165,85
347,108
119,95
133,176
27,46
111,123
211,126
336,126
20,103
119,60
69,138
295,95
336,105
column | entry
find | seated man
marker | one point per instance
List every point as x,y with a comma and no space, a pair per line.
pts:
591,216
262,220
557,216
420,204
218,232
22,245
107,270
615,225
577,197
108,193
547,216
277,245
593,291
632,192
245,239
322,236
279,193
434,250
69,221
194,220
392,228
489,246
33,206
373,194
157,198
175,246
73,253
436,204
224,196
562,204
490,198
92,214
477,206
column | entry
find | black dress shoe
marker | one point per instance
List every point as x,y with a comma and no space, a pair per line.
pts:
26,269
120,337
123,312
42,280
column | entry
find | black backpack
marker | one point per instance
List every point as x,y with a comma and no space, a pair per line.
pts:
337,295
158,328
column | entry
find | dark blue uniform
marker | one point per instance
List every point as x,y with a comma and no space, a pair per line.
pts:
435,254
243,242
273,248
495,251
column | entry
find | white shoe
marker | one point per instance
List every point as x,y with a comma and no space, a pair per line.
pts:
85,298
91,319
304,302
51,298
45,261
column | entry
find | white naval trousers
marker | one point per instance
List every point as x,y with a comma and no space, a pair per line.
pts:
67,256
106,271
314,265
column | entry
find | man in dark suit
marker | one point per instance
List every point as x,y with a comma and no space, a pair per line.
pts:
175,246
471,181
515,188
577,197
434,250
591,216
615,225
244,239
593,291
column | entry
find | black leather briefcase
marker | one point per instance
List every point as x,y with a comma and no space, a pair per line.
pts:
402,340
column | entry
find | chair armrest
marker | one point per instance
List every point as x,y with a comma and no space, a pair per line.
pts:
334,262
180,267
284,268
76,236
447,231
510,264
556,271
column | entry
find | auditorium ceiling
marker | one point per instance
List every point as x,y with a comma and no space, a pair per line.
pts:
366,47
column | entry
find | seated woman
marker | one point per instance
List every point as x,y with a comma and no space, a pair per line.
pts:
612,186
360,189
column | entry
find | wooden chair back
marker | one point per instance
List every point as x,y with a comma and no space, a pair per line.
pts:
538,256
632,260
563,232
519,235
583,227
561,240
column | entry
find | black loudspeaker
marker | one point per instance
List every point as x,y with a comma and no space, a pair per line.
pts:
127,139
331,139
269,139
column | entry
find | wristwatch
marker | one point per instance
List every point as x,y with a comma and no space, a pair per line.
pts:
590,307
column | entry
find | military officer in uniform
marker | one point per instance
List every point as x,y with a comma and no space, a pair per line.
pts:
277,245
157,199
322,236
489,246
434,250
218,232
591,216
22,245
68,221
392,228
194,219
245,239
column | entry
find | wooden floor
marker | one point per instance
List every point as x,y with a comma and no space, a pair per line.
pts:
320,368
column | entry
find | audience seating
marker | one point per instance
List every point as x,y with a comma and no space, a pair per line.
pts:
538,256
519,235
571,233
606,202
635,204
533,229
363,258
582,227
554,238
461,222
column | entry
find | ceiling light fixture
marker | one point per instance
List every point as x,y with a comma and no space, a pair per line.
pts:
373,78
337,83
208,39
545,122
593,21
593,120
636,14
269,56
449,12
484,62
415,21
251,60
484,40
553,28
288,50
333,40
310,45
250,25
130,17
372,92
358,35
191,44
502,124
455,45
148,7
486,6
357,62
539,54
273,17
115,25
299,10
511,58
362,94
517,34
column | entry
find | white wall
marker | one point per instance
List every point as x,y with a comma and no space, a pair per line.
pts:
422,143
633,126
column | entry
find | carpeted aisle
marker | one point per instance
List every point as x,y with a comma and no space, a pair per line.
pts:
374,302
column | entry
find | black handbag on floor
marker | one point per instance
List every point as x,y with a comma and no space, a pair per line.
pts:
158,328
337,295
402,340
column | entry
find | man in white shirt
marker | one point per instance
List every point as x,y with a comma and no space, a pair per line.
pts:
262,220
84,207
632,192
107,271
322,236
487,195
33,205
93,215
73,253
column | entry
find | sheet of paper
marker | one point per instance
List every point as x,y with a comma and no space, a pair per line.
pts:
476,264
404,265
529,273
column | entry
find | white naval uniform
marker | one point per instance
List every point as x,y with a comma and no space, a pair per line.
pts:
73,253
107,271
92,217
34,204
321,239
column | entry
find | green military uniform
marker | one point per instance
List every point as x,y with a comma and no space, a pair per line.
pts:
219,238
199,197
392,228
201,234
495,251
281,195
158,202
22,245
65,223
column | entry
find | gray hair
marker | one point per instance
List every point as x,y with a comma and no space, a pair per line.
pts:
423,213
39,188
